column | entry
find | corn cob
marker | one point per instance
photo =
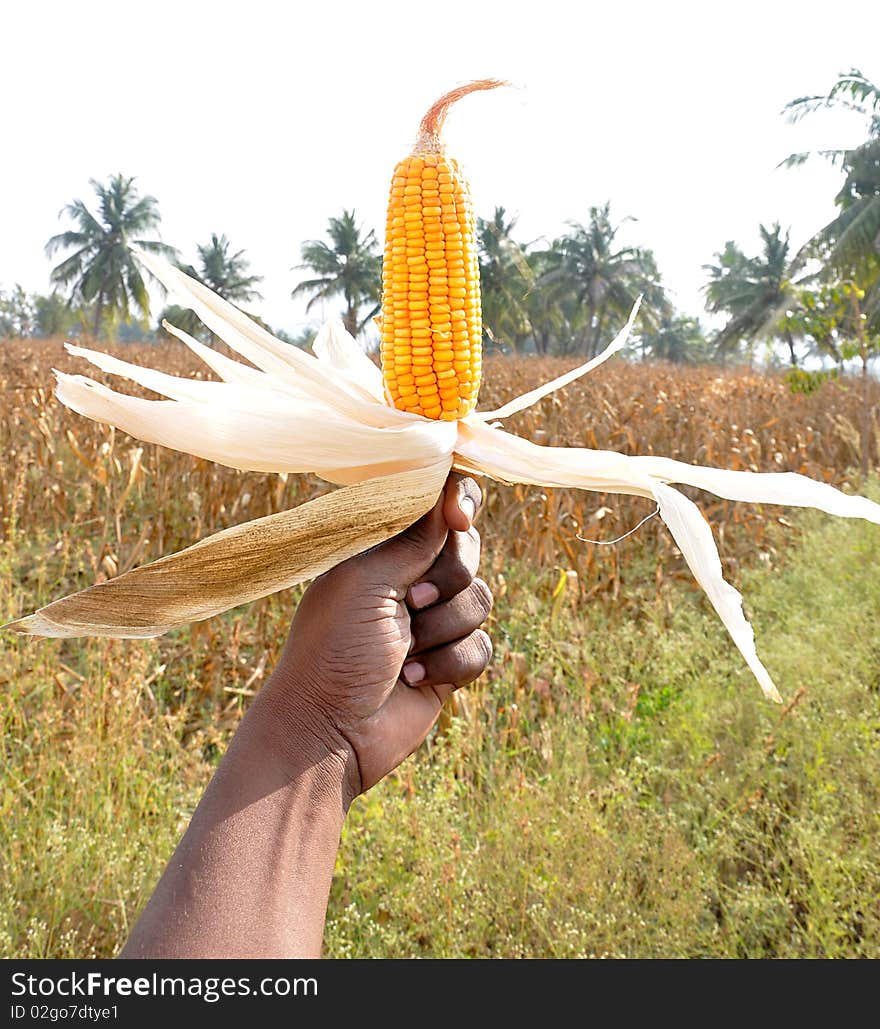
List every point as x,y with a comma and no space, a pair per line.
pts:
431,318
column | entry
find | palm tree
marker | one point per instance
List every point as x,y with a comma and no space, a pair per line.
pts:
678,338
227,274
505,279
753,291
852,238
549,308
102,268
604,280
350,265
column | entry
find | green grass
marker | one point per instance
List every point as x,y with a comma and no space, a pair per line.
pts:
615,786
642,799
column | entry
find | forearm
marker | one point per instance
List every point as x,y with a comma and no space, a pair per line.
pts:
252,874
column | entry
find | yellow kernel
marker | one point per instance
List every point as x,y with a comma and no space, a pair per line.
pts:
425,380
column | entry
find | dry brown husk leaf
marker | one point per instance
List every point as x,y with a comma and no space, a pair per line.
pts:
243,563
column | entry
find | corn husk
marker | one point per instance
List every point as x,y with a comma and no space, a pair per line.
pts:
243,563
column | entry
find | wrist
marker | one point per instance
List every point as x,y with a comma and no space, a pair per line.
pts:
287,728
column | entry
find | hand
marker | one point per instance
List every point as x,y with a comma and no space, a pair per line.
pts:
379,642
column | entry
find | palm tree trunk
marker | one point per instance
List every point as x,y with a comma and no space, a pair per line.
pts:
350,320
597,318
600,328
866,396
99,312
790,341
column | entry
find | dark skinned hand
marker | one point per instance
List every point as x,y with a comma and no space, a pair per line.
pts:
379,642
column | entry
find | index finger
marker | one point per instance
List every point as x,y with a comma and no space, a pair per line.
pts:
462,500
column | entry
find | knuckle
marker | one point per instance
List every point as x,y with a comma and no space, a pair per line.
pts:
483,647
417,545
458,575
482,596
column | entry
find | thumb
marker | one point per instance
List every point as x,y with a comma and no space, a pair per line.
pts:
405,558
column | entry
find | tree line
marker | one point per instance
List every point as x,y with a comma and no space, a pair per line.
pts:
559,297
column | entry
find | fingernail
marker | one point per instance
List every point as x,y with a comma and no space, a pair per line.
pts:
413,672
423,594
468,508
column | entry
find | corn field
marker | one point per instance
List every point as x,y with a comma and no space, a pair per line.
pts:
90,491
109,744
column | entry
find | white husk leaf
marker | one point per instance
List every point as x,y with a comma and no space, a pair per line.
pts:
222,366
692,534
261,348
243,563
786,488
510,458
261,430
533,396
336,347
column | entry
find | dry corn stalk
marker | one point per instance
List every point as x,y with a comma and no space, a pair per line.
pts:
390,441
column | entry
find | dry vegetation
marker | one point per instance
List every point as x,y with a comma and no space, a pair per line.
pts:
132,499
591,744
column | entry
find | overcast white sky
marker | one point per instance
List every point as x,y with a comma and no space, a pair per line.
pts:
262,119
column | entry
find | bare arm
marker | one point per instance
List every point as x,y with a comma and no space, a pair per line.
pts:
376,647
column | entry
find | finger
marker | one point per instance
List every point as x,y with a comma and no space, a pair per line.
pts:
452,572
462,500
408,556
455,664
453,620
